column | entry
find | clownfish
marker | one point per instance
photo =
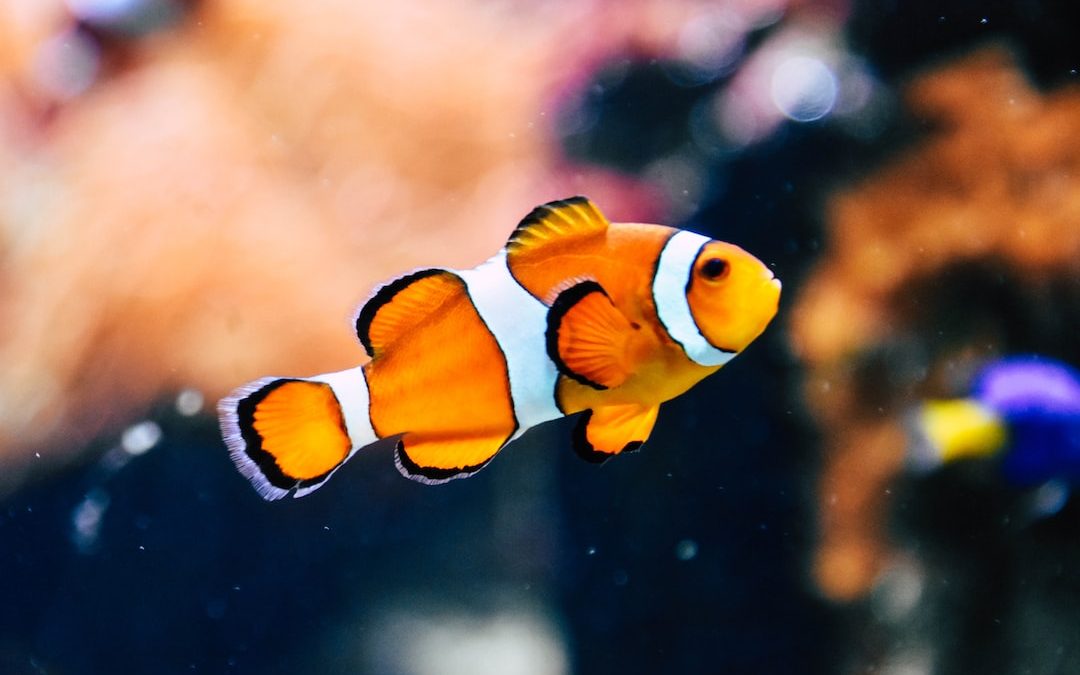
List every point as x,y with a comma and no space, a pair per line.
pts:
573,315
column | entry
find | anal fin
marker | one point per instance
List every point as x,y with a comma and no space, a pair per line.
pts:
602,433
438,460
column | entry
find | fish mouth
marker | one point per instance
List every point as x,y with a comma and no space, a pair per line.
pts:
774,288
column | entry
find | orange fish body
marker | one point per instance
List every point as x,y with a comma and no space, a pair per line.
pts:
575,314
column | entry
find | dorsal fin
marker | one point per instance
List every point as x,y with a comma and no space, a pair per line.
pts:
402,304
557,222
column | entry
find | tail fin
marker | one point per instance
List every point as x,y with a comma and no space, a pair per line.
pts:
289,435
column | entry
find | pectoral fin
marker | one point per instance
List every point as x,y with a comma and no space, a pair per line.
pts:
605,432
588,338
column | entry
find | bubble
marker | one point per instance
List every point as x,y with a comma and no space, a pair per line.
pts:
189,402
128,17
898,592
708,46
67,64
804,88
1049,498
101,10
739,120
857,91
458,642
87,518
141,437
687,549
909,660
683,180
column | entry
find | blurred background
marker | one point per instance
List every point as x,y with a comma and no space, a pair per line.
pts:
195,193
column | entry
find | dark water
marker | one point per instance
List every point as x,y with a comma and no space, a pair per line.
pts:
692,546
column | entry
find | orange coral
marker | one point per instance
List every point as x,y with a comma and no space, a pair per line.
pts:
965,247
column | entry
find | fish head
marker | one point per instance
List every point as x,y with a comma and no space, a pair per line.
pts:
732,295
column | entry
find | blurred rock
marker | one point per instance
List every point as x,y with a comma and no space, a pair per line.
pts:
215,204
962,249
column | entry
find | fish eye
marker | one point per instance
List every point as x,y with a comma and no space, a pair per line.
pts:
715,268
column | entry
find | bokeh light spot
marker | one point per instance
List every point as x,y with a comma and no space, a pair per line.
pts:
140,437
687,549
804,88
66,64
189,402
